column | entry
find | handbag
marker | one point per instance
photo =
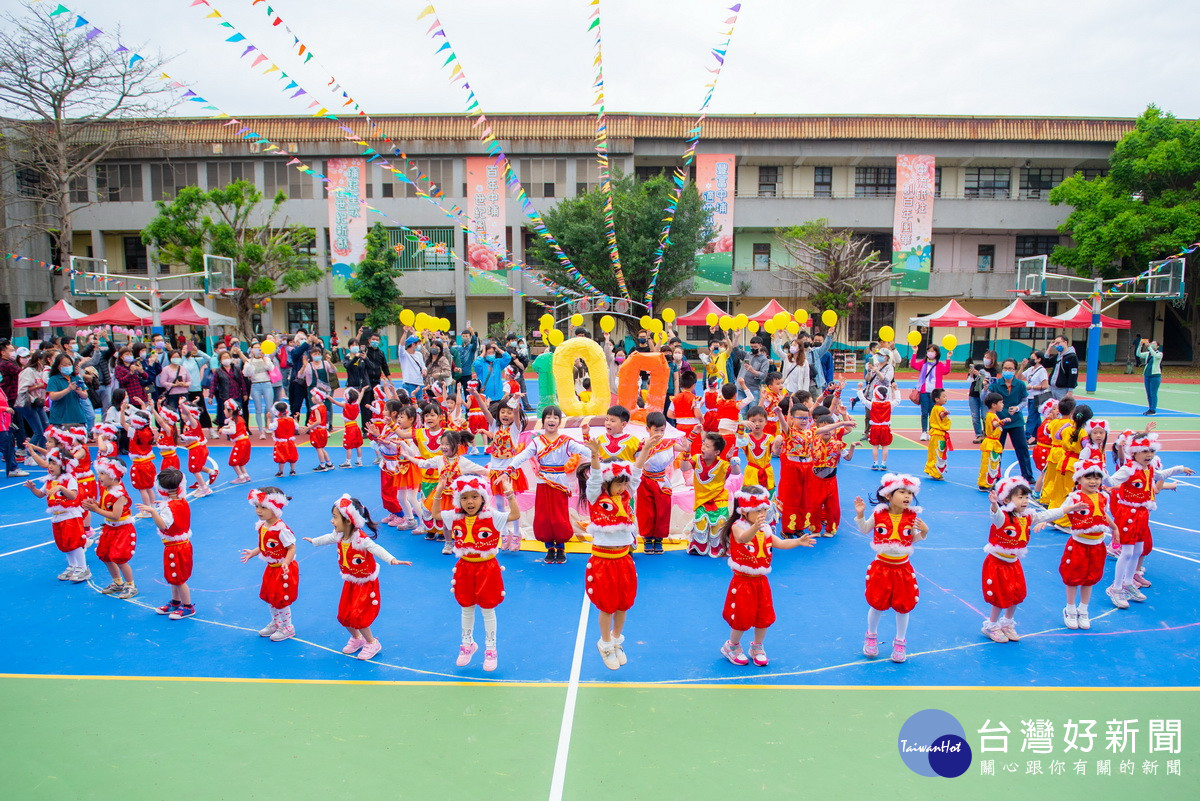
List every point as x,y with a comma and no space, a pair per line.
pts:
914,396
275,375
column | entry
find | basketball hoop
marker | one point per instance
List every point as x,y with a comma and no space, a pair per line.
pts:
1024,292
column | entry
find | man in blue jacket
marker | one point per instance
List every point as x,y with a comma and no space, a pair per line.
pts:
489,369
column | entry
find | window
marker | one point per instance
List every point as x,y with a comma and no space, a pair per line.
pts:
79,189
1092,173
369,186
528,238
762,255
301,314
387,189
701,334
987,182
883,244
494,319
768,181
223,173
822,181
256,325
439,172
1035,245
167,179
587,176
279,177
865,322
1049,308
29,181
986,258
1036,182
136,260
543,177
874,181
413,257
119,183
937,181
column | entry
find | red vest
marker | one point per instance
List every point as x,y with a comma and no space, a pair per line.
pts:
753,557
108,501
269,543
892,539
476,538
1090,526
1009,537
357,564
181,522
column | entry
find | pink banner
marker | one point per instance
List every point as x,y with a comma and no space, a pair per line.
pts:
485,209
716,178
347,218
912,227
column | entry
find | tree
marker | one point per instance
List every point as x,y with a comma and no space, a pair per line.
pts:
577,223
835,268
270,256
63,86
374,280
1146,208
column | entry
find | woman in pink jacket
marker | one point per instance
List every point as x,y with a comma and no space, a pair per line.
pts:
931,372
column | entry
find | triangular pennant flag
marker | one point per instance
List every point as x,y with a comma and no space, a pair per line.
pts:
64,10
80,22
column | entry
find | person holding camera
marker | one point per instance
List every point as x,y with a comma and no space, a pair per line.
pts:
69,405
1037,382
1063,365
1151,373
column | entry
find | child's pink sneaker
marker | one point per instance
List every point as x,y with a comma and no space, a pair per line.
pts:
899,648
757,655
1139,580
353,644
465,652
370,649
871,645
489,659
734,654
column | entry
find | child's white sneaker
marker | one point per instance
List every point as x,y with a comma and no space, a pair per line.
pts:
993,632
608,652
1085,622
285,633
619,643
1070,617
269,630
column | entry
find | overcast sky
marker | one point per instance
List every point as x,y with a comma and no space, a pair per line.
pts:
1101,58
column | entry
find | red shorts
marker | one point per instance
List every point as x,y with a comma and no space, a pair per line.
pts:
387,492
880,435
319,438
177,562
478,583
170,461
1041,454
142,474
1003,582
359,605
519,482
748,603
239,454
278,591
352,437
69,535
285,452
653,510
892,586
197,458
1082,565
1133,523
551,519
611,582
117,544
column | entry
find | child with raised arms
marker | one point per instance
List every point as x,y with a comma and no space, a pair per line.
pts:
235,430
352,435
61,492
277,547
449,463
173,516
1082,564
504,422
118,537
283,431
318,429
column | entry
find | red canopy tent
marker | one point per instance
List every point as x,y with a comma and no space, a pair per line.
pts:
123,312
1019,315
189,312
1081,317
952,315
699,315
61,313
767,312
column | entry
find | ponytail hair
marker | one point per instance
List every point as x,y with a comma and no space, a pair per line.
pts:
1079,418
370,527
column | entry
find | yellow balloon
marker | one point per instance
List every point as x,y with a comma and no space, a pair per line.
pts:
407,317
711,319
753,327
949,342
656,326
555,337
801,316
887,334
914,338
829,318
781,319
546,320
726,322
576,319
645,321
741,321
607,323
268,347
770,326
446,325
793,328
668,315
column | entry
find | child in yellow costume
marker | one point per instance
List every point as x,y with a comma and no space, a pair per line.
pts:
991,448
939,446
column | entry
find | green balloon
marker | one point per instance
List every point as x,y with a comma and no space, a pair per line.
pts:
544,367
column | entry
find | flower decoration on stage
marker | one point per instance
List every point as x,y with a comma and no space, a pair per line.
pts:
481,258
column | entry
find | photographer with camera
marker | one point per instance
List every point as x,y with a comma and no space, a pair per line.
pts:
69,405
1037,381
1151,373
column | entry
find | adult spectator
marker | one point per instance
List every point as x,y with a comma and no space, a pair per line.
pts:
797,372
68,395
257,370
822,345
377,368
155,360
99,354
1064,374
412,367
356,366
932,371
878,372
1151,373
31,395
1037,383
678,365
754,368
199,367
10,372
980,376
437,365
489,369
643,341
464,356
229,382
174,380
280,373
1014,393
297,358
131,375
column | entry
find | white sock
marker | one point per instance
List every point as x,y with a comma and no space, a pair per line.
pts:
1072,609
489,626
76,559
285,617
468,625
901,626
1081,609
873,617
1126,563
516,530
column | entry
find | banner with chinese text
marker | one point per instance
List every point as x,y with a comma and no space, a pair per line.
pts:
716,180
485,209
347,219
912,227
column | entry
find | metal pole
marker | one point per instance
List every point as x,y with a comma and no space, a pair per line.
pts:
155,307
1093,348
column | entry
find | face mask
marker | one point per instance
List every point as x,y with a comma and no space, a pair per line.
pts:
68,370
159,346
255,352
1008,375
931,356
1059,348
127,358
987,362
176,361
641,340
754,350
226,362
74,348
678,357
318,362
301,341
374,344
795,349
354,348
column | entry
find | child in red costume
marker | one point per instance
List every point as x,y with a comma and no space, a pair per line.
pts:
684,408
318,429
235,429
203,469
277,547
475,531
141,450
609,490
359,555
118,537
449,464
168,439
352,435
749,538
61,492
283,430
505,422
1003,576
891,581
1082,564
173,516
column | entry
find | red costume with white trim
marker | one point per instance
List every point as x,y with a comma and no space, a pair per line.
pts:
748,601
1134,493
167,442
141,451
65,514
1082,562
284,431
118,538
176,539
611,574
891,580
197,447
352,436
318,437
278,590
239,454
477,579
502,449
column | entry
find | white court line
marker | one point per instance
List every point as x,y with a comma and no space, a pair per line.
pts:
30,548
558,778
1176,555
25,522
1181,528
